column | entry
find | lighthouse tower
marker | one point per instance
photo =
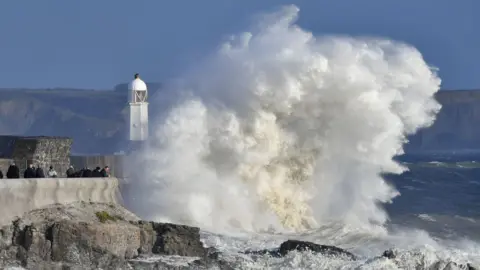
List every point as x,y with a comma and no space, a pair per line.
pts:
138,110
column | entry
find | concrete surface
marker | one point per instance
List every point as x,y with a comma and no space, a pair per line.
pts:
18,196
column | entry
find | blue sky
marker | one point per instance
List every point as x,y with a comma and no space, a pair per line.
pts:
99,43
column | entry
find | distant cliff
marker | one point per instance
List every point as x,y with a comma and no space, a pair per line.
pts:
96,120
457,126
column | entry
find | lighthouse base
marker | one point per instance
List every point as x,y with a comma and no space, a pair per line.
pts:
138,130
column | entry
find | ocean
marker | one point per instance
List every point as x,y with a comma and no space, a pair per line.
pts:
283,134
435,219
442,198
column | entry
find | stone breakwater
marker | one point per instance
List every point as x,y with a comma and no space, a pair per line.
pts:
18,196
87,235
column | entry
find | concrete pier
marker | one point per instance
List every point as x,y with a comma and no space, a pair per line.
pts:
18,196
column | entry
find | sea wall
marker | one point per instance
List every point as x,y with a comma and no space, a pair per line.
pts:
18,196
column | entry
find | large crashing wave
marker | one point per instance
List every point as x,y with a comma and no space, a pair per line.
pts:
281,129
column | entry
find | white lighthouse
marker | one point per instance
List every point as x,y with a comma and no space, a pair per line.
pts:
138,110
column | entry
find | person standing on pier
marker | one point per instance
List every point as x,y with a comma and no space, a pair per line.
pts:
13,171
29,172
51,172
39,173
105,172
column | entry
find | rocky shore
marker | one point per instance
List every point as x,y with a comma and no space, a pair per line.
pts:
102,236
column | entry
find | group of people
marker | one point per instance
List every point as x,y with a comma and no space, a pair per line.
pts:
31,172
86,172
37,172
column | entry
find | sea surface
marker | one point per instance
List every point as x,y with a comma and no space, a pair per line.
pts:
442,197
434,221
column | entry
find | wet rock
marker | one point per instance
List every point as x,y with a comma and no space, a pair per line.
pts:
73,243
297,245
290,245
172,239
390,254
270,252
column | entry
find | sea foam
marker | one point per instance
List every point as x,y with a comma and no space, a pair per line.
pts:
280,129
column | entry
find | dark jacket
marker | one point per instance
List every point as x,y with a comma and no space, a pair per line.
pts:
29,173
70,172
96,173
13,172
1,174
87,173
39,173
78,174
